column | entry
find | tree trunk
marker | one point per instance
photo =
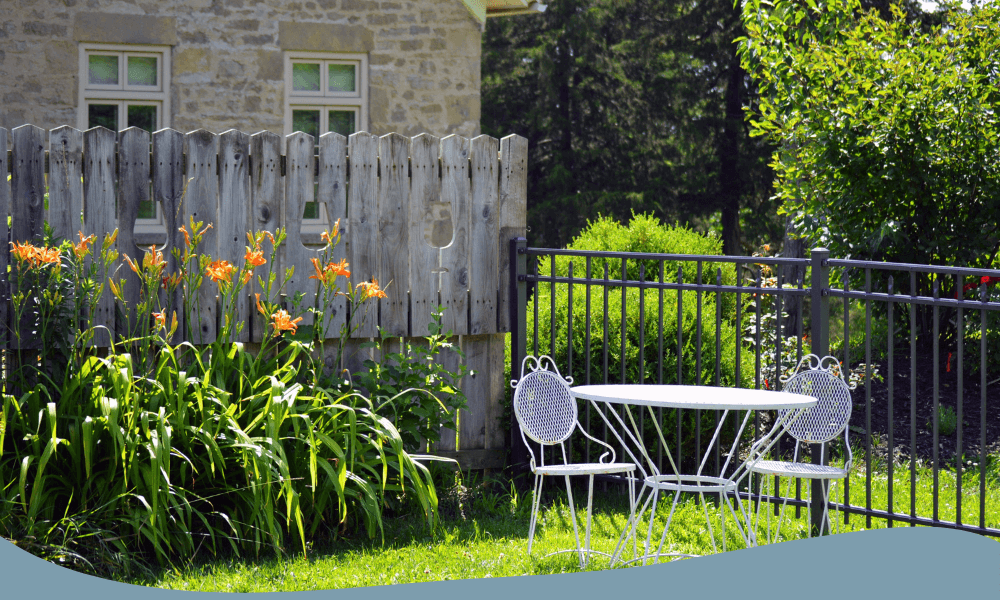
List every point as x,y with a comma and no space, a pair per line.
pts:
791,247
729,158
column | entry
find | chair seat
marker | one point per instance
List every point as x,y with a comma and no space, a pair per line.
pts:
797,469
585,469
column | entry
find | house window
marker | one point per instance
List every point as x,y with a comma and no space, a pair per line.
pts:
126,86
325,93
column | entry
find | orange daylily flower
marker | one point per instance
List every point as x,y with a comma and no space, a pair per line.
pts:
131,264
284,322
330,272
329,236
35,257
161,319
81,249
254,258
153,259
370,289
247,276
220,271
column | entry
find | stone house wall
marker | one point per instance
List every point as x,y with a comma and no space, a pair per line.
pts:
227,58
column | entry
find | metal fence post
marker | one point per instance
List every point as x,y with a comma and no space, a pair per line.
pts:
518,339
820,331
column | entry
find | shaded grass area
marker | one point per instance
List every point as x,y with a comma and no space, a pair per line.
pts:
487,537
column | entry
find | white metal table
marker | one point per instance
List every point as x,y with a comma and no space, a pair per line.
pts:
605,397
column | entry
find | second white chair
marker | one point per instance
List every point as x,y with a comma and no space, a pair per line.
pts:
547,413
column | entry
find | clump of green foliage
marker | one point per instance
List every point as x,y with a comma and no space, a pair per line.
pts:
888,137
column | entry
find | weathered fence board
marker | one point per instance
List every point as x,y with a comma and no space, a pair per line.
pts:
484,276
4,248
332,195
298,192
362,210
267,198
99,217
65,183
168,190
430,229
234,213
425,217
28,183
455,258
513,194
393,260
200,203
133,188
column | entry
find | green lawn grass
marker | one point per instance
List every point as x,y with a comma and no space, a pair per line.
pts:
491,541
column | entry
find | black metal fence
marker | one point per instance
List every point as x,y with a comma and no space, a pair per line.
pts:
619,317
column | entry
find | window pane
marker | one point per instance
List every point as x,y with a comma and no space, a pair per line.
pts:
342,122
103,115
305,77
103,70
341,78
306,121
143,117
142,70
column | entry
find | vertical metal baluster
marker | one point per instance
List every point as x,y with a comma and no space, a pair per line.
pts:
642,345
586,344
868,397
659,368
697,361
845,369
800,332
913,398
959,399
607,285
934,413
718,357
552,308
891,341
569,340
623,322
535,303
680,362
642,328
982,407
739,342
778,342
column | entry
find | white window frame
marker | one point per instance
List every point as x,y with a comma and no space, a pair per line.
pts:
124,95
324,101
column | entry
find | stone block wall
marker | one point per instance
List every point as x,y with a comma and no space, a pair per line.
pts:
227,58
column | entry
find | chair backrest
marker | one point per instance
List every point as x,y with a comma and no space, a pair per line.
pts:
543,404
822,379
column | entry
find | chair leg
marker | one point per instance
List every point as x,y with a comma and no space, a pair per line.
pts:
535,501
590,505
572,514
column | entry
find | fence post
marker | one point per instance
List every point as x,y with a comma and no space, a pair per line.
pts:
518,306
820,332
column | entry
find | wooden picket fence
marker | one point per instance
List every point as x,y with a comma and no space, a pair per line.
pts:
398,199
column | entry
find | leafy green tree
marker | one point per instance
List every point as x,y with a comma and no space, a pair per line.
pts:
888,135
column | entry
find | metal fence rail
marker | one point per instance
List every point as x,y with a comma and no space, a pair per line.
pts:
766,305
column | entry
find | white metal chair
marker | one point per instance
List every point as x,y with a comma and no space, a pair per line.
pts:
547,413
822,379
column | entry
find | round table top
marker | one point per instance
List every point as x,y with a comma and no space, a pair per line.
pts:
692,396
